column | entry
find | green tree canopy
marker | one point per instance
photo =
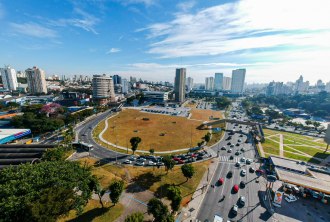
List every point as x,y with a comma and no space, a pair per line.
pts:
174,194
135,143
169,163
23,186
159,211
116,188
188,171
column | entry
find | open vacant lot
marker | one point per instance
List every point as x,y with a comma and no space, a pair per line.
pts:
295,146
159,132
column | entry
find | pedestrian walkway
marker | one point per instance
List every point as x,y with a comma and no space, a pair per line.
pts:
226,159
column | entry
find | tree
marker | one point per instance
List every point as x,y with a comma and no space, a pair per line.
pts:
116,188
96,186
308,122
12,105
158,210
135,143
169,163
174,194
151,151
207,137
24,185
135,217
53,154
316,124
188,171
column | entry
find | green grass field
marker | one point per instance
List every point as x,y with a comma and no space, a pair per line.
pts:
312,147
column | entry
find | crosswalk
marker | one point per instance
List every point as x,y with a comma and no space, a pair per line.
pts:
226,159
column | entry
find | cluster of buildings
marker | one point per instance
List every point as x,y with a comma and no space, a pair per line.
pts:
298,87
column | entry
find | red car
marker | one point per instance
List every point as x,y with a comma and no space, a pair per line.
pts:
235,188
178,160
221,180
258,171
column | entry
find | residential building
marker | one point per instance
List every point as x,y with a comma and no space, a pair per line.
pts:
20,74
125,86
237,80
226,83
190,83
9,78
218,81
103,89
36,80
180,84
209,83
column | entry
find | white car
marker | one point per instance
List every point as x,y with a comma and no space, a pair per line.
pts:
127,161
291,198
243,172
243,159
151,163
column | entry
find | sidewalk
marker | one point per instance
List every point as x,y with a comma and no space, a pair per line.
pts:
190,212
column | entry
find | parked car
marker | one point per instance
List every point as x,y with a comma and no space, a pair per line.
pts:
221,180
290,198
235,188
251,169
241,200
223,148
234,209
243,159
237,164
127,161
229,151
229,174
242,149
248,161
237,153
242,184
132,158
231,157
243,172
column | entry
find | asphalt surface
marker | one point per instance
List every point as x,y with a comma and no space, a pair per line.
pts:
213,202
85,135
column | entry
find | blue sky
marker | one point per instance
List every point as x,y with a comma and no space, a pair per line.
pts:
274,39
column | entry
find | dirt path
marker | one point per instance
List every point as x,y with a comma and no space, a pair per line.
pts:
281,145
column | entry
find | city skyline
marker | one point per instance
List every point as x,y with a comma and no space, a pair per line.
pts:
142,38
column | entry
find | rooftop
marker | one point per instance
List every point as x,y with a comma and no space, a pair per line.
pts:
287,163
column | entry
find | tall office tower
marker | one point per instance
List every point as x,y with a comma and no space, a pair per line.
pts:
36,80
209,83
237,80
226,83
180,84
103,89
218,81
275,88
9,78
116,79
124,86
190,83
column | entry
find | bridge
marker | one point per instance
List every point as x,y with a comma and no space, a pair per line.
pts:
257,128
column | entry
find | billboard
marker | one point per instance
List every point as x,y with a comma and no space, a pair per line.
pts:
278,198
327,135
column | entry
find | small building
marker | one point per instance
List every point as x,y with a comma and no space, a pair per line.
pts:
155,96
9,135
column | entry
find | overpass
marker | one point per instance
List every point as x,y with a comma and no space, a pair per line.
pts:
15,154
257,128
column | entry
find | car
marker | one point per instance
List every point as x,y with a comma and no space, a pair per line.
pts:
229,151
239,140
127,161
132,158
242,184
229,138
223,148
237,153
241,200
139,163
151,163
259,171
231,157
248,161
229,174
84,134
229,143
232,145
242,149
160,164
199,158
234,209
235,188
243,172
221,180
251,169
290,198
241,135
237,144
243,159
237,164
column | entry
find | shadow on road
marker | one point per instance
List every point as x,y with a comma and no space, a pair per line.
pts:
104,161
142,182
90,215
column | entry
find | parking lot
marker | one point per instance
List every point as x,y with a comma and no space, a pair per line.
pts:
179,111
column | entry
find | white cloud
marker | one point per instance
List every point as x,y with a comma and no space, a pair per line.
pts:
243,25
185,6
33,29
113,50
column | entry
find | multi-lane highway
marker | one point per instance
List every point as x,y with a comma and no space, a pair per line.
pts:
213,202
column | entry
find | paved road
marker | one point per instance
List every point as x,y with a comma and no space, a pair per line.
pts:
212,203
85,135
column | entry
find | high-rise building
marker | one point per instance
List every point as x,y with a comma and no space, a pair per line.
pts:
116,79
20,74
218,81
103,89
36,80
180,84
125,86
190,83
237,80
9,78
209,83
275,88
226,83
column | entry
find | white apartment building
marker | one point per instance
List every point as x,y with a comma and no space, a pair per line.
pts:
9,78
103,89
237,80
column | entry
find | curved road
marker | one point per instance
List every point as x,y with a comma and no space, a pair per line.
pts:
85,135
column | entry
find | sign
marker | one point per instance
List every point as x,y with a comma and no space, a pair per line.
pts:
327,135
278,198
